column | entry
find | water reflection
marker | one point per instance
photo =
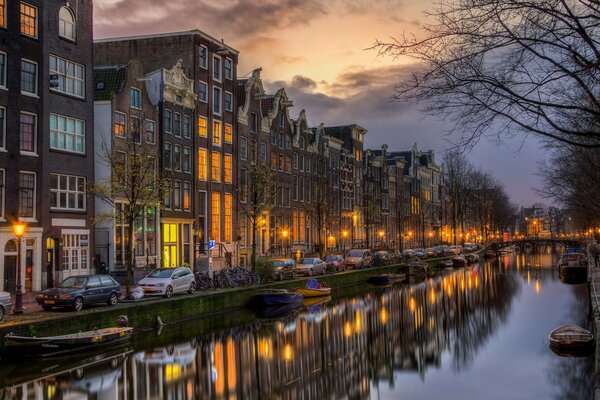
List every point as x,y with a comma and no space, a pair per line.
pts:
332,349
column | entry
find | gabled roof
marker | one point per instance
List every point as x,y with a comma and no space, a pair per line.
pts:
340,131
108,81
266,105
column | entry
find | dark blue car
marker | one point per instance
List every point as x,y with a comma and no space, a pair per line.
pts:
77,291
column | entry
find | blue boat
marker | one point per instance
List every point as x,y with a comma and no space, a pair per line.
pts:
273,297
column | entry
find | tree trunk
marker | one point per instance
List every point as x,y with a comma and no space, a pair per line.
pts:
253,253
130,255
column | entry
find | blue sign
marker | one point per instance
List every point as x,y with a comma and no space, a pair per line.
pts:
211,244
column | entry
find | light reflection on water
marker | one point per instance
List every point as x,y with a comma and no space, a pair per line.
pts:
470,333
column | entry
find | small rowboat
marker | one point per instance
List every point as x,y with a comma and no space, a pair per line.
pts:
313,289
273,297
48,346
459,261
570,338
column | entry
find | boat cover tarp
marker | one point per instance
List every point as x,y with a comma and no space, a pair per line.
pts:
313,284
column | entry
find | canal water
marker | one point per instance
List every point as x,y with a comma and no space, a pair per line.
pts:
478,332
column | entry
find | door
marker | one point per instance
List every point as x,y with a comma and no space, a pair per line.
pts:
10,273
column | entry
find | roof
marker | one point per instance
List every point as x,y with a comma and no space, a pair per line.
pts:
266,105
108,81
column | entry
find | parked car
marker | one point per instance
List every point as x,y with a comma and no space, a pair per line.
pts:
279,268
358,258
167,281
336,261
407,253
382,257
438,251
77,291
310,266
429,253
454,250
6,304
419,252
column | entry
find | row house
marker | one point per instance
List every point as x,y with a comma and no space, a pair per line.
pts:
211,65
46,142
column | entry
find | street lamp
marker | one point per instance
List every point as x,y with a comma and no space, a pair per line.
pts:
381,234
19,230
345,236
284,234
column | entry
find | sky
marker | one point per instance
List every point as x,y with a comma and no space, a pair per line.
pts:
318,50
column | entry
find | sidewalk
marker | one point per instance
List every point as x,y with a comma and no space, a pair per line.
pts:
30,306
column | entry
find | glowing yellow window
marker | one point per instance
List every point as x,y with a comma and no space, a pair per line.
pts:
202,127
227,168
215,167
28,20
227,210
3,12
217,133
228,134
216,217
202,165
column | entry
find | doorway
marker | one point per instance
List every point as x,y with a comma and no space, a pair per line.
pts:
10,266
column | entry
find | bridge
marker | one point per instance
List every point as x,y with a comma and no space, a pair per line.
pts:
533,242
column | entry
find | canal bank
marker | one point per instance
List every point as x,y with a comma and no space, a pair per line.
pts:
594,285
144,315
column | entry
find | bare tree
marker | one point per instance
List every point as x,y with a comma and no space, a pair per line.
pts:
134,181
508,67
255,196
456,169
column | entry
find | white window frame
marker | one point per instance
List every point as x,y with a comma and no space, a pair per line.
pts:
32,218
3,75
217,77
230,75
37,19
63,24
60,133
2,194
205,65
35,133
37,71
59,190
3,129
74,252
139,96
66,77
219,103
206,86
231,102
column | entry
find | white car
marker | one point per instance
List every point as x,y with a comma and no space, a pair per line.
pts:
6,304
166,281
310,266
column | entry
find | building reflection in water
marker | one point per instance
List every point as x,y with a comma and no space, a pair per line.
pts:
334,350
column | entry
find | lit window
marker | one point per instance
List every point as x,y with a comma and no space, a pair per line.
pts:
227,212
217,133
228,135
28,77
28,20
67,192
202,126
202,165
215,164
2,12
120,124
227,168
215,231
186,196
69,75
66,23
67,133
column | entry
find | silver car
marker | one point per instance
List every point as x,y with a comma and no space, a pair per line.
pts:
6,304
166,281
310,266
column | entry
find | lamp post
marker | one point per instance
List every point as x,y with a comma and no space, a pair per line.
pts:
381,234
284,234
19,230
345,236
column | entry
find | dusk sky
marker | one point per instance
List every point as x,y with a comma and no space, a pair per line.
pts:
317,51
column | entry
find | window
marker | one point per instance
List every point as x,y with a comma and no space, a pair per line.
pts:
186,196
295,160
167,121
228,134
75,249
177,124
136,129
70,76
217,133
202,92
228,99
215,231
186,162
67,192
28,128
2,12
217,68
187,127
202,127
215,166
228,67
227,212
274,138
167,155
282,119
167,194
136,98
120,124
243,183
227,168
27,194
28,77
203,57
67,134
217,100
177,195
253,122
150,131
2,68
243,148
177,157
262,153
66,23
28,20
202,165
2,193
2,128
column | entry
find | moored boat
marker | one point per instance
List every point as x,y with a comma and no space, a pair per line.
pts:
48,346
386,279
570,337
313,289
447,264
472,258
459,261
272,297
418,268
490,254
573,265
